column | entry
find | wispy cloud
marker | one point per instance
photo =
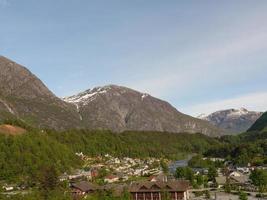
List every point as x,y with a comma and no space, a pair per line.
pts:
204,63
253,101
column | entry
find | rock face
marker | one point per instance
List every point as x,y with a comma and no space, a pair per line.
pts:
233,120
119,108
24,96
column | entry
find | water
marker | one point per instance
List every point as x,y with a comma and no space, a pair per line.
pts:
178,163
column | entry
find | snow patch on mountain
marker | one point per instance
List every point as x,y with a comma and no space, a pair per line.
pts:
144,95
87,96
202,116
232,120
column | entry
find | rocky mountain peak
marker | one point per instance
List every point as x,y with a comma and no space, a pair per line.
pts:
111,107
90,95
120,108
17,80
24,96
232,120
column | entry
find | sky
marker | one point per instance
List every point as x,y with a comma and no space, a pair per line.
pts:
201,56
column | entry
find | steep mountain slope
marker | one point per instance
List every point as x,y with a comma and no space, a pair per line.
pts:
24,96
260,124
119,108
233,120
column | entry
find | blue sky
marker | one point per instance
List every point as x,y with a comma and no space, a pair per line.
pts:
201,56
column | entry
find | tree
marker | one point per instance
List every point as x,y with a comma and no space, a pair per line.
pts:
185,173
48,178
164,167
207,194
212,174
199,179
166,195
126,195
259,179
243,196
227,186
180,172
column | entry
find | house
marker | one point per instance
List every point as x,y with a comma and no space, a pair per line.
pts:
198,171
94,173
80,174
83,188
244,170
8,188
177,190
63,177
111,178
235,174
239,180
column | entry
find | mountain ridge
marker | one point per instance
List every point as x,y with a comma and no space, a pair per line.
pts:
232,120
116,108
129,107
24,96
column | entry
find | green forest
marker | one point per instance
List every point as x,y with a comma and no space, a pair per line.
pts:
248,147
25,158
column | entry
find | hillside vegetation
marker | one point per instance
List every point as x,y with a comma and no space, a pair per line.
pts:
22,157
260,124
249,147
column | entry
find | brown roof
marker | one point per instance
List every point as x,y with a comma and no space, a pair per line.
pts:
159,185
84,186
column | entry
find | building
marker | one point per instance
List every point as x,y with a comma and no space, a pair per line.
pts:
79,174
8,188
176,190
82,188
235,174
240,181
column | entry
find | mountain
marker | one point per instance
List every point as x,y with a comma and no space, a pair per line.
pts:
24,96
260,124
232,120
119,109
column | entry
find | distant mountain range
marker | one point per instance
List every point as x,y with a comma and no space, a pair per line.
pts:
23,96
232,120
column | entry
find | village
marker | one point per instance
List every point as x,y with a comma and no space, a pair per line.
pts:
109,169
148,176
146,179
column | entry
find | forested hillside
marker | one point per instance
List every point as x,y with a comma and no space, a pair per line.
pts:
260,124
23,156
249,147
